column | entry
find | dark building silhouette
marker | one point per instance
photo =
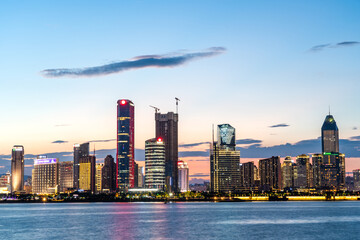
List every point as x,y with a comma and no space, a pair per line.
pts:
66,175
317,163
125,145
225,161
109,174
80,151
247,175
17,168
167,130
304,173
270,174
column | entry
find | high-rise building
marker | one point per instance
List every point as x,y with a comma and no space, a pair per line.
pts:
287,169
125,160
183,176
270,174
141,177
136,175
247,175
5,183
304,177
87,172
167,129
66,176
17,168
317,163
80,151
45,175
109,174
356,176
155,163
225,161
333,165
98,177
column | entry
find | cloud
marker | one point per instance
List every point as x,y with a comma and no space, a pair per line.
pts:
160,61
59,141
321,47
193,144
279,125
103,140
199,175
354,128
247,141
194,153
355,138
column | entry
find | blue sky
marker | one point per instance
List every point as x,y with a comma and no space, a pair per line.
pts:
267,76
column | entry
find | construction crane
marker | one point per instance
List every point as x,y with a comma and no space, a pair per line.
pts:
156,109
177,105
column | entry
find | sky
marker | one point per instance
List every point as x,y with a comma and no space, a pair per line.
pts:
271,69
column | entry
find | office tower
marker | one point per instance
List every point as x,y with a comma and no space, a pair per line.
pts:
66,176
5,183
80,150
167,129
329,135
270,174
45,175
287,170
225,161
98,177
109,174
304,177
317,163
356,176
141,177
17,168
125,145
333,165
87,172
155,163
183,176
247,175
136,175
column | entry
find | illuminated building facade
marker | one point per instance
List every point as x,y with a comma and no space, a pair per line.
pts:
167,129
125,145
98,177
66,176
317,163
183,176
17,168
5,183
332,170
141,177
225,161
155,163
109,174
270,174
304,178
356,176
45,176
87,171
287,170
80,151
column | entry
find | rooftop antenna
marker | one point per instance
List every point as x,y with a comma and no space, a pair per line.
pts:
94,149
156,109
177,105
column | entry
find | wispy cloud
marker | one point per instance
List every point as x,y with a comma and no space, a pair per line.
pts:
247,141
62,125
103,140
199,175
279,125
59,141
321,47
193,144
160,61
354,128
355,138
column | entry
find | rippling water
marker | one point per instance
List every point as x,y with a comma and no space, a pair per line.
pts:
238,220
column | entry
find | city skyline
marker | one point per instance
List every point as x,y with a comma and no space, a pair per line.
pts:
270,75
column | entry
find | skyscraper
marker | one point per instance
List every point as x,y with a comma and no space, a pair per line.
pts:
225,161
98,177
66,176
333,165
109,174
125,145
304,172
80,150
183,176
17,168
247,175
87,173
317,162
155,163
287,169
270,174
167,129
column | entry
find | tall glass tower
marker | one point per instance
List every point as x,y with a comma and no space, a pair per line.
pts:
125,145
17,168
329,135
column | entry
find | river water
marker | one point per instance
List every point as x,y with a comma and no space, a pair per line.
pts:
189,220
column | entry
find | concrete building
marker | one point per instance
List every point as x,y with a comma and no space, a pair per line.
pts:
270,174
45,176
87,172
17,168
304,177
155,163
80,151
247,176
109,175
66,176
287,170
98,177
183,176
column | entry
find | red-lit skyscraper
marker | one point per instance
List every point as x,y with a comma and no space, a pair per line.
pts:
125,145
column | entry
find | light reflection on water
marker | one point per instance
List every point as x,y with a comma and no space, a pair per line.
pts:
241,220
